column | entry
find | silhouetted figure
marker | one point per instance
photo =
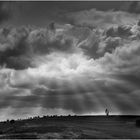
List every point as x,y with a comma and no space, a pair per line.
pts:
107,112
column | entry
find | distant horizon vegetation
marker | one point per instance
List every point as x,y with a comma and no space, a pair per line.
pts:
67,116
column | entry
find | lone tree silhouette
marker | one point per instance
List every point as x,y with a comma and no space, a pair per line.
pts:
107,112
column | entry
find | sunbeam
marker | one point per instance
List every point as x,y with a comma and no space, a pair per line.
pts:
70,62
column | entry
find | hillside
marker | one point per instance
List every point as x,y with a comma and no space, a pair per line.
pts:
71,127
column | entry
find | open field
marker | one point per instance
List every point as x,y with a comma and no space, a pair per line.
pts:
72,127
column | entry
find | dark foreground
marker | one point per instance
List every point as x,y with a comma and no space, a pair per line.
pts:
80,127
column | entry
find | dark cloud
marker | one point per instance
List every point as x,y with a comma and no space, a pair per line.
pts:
41,13
72,68
13,49
109,45
131,7
119,31
94,18
124,59
90,45
20,46
4,11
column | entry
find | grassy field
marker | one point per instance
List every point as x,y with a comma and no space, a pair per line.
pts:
75,127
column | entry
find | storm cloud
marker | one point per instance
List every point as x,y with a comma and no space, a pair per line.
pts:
82,67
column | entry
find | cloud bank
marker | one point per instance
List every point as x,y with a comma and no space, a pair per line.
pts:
74,69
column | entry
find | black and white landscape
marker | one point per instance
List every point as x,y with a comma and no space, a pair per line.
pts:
74,59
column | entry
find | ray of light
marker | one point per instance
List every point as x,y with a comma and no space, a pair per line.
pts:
84,88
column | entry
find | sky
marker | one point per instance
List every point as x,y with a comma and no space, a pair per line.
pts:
67,57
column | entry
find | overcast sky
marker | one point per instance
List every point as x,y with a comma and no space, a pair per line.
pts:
39,13
87,62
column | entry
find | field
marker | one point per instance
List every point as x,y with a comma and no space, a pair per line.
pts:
75,127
